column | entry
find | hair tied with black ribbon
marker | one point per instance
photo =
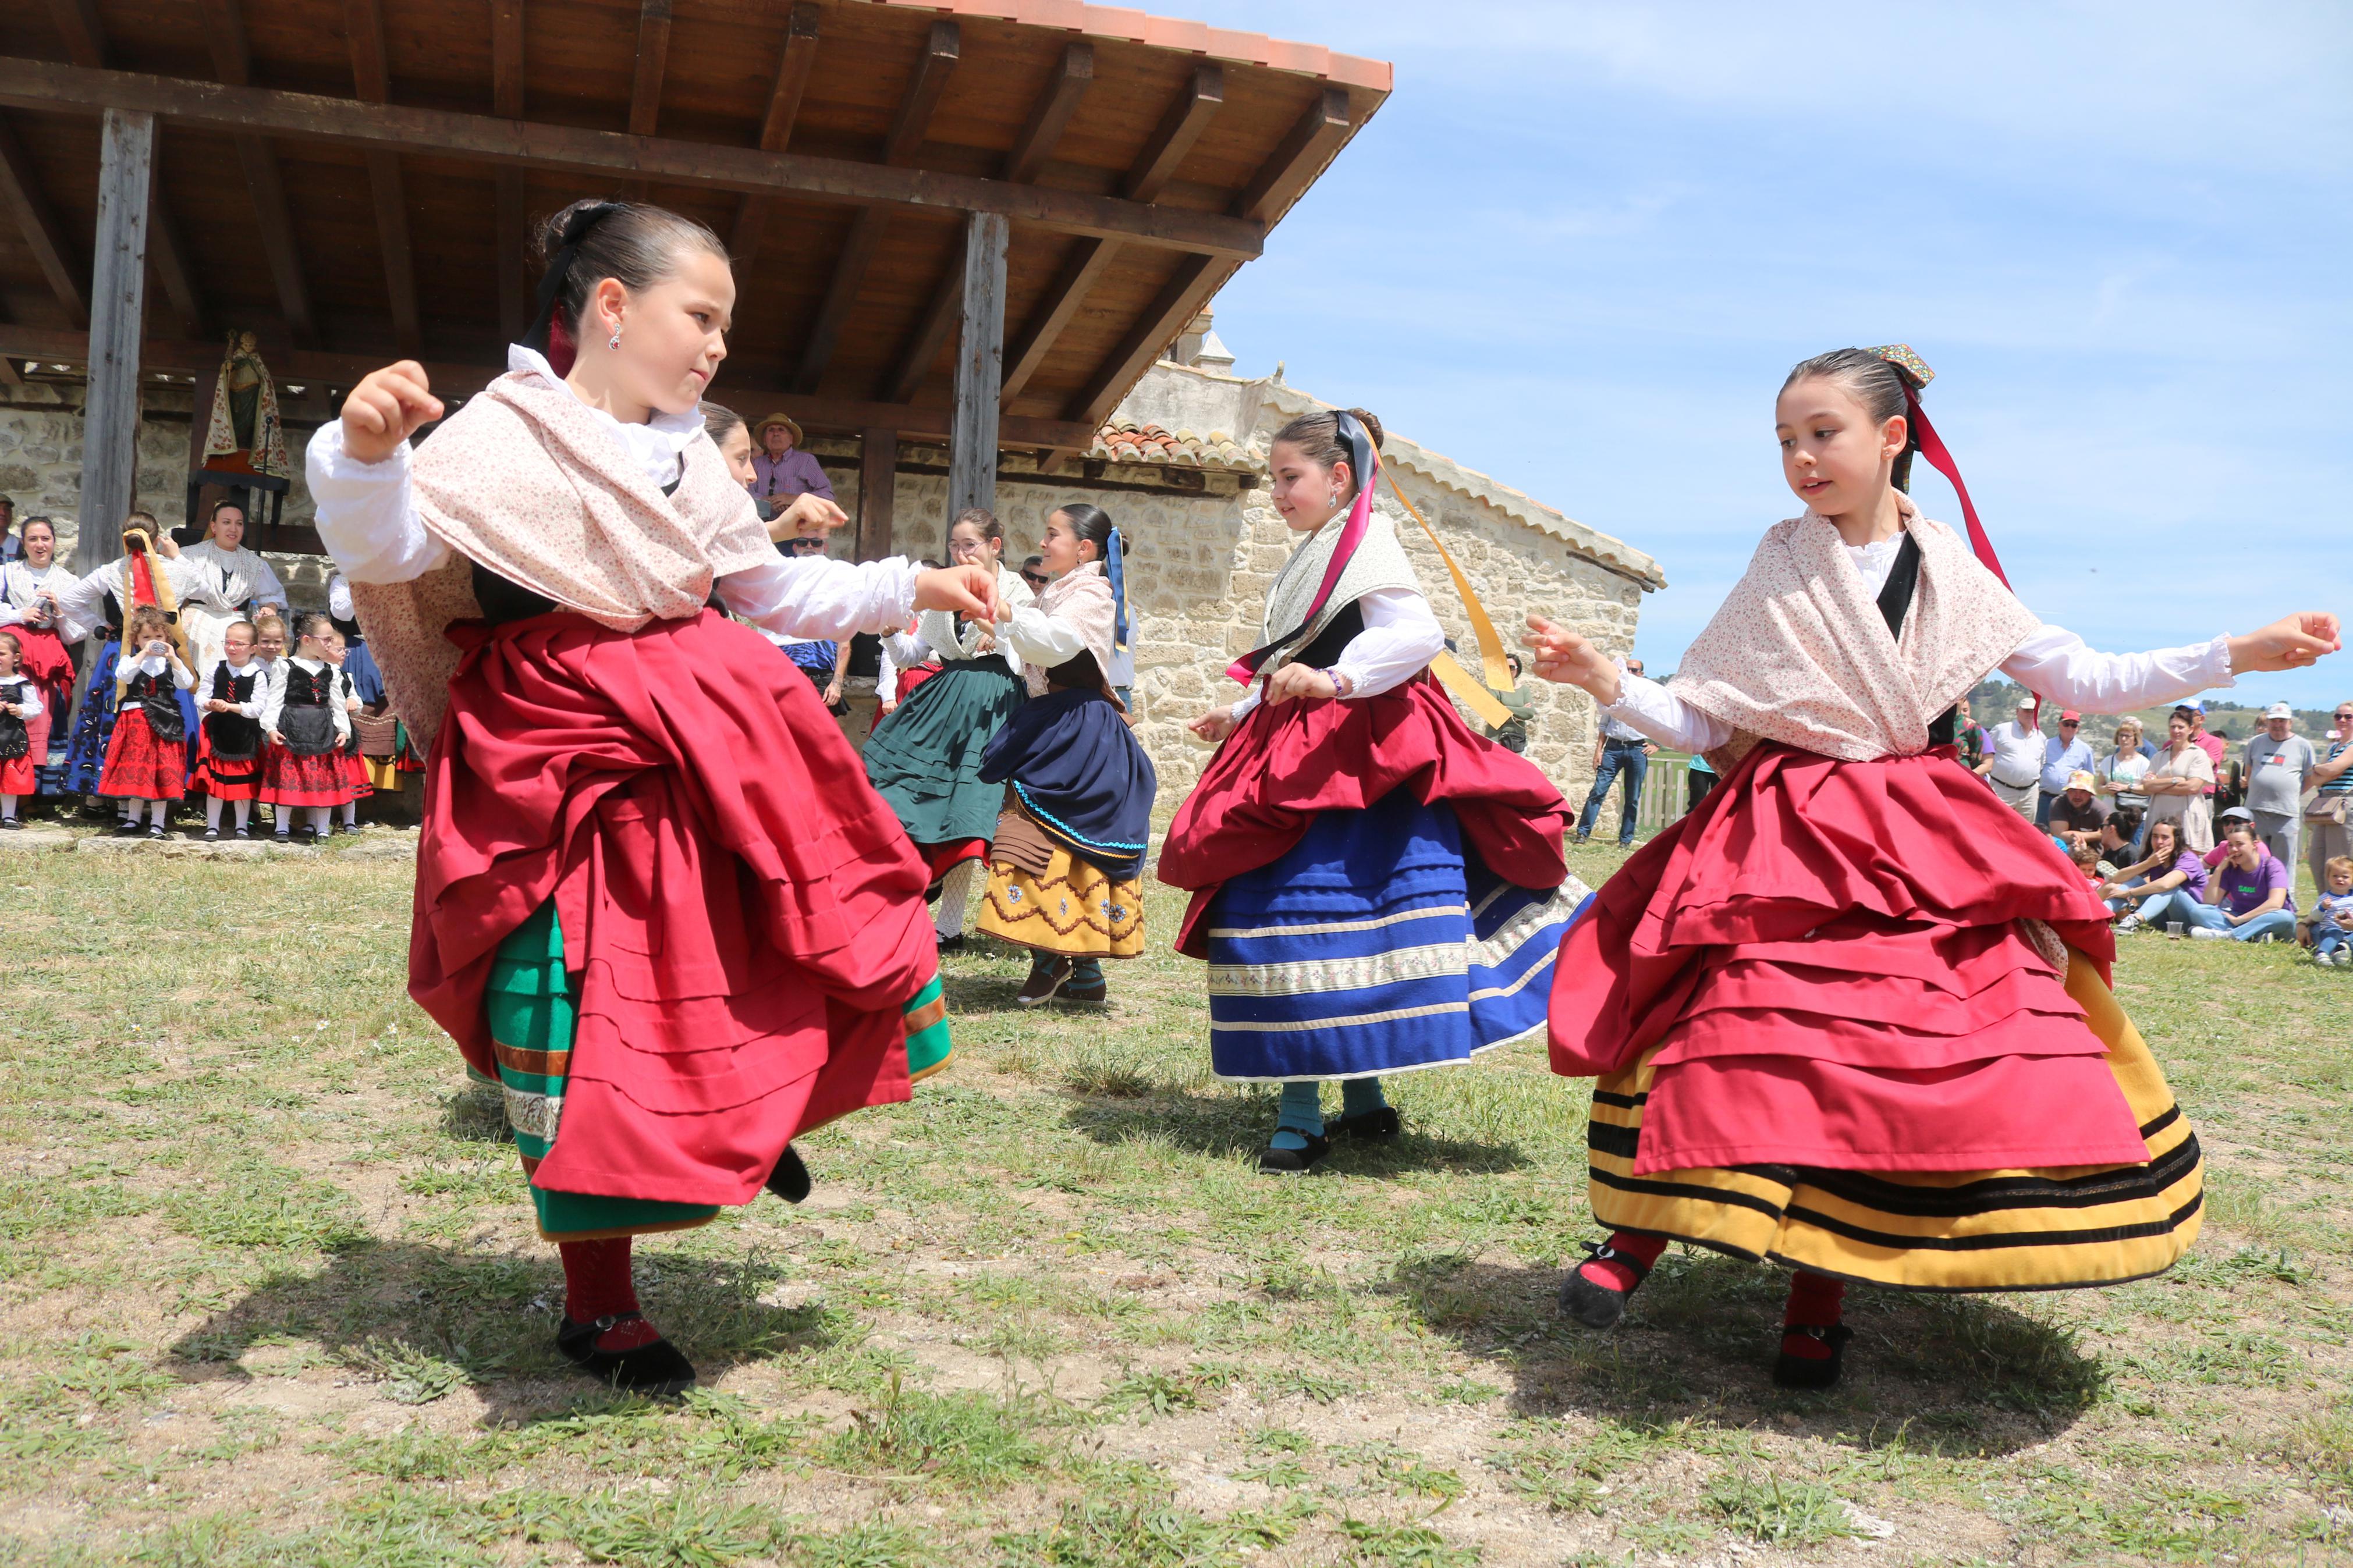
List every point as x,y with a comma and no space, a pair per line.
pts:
548,334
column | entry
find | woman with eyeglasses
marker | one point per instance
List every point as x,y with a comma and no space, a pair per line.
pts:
925,758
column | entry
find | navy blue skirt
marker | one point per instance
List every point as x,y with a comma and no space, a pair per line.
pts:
1379,944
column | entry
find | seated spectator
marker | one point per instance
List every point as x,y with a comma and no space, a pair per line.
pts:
782,473
2120,836
2085,852
2247,900
2236,817
2077,813
2170,869
2332,918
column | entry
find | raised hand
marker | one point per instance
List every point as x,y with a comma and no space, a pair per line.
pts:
1215,725
2291,642
805,512
386,408
967,591
1564,657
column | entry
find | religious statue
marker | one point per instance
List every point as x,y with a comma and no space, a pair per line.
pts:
245,435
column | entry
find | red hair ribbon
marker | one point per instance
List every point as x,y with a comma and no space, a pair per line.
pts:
1932,447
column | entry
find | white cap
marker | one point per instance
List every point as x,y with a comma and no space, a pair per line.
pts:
2278,711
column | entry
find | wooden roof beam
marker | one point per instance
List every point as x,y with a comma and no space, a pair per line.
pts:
45,236
1179,128
777,128
85,37
653,59
1047,120
170,258
942,50
372,81
508,218
273,219
55,88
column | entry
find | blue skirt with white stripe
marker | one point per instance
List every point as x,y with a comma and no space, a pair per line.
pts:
1379,944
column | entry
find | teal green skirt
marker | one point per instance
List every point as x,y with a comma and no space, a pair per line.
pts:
925,759
530,1009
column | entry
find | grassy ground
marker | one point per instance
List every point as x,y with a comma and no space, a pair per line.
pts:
269,1294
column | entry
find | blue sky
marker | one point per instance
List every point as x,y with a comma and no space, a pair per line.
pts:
1581,245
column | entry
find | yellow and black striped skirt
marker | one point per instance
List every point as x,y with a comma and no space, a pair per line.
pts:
1972,1230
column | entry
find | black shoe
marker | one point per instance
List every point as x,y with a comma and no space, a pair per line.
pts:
1380,1122
129,828
655,1370
1272,1160
10,825
158,833
1577,838
1594,1305
1812,1371
352,829
319,837
212,835
790,1179
955,943
242,833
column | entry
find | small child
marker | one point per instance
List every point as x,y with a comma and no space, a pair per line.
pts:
20,699
147,758
305,724
228,756
2332,917
269,652
356,771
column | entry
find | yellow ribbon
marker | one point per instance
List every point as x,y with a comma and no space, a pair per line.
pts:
1479,698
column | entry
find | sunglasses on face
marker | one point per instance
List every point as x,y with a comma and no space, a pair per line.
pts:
809,546
1035,579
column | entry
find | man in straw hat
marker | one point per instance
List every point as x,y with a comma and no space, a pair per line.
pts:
783,472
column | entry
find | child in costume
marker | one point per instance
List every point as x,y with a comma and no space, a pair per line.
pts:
32,611
1376,887
147,754
656,900
1851,1014
304,728
358,782
1066,858
228,754
20,708
925,758
148,572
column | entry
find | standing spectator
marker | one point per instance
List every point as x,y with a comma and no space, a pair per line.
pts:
2214,745
2325,820
1969,735
2279,761
2123,769
11,547
2077,814
2178,783
782,472
1699,778
1512,734
1618,748
2064,755
2248,899
2013,758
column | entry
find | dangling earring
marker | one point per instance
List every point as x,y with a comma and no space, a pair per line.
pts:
615,340
1334,502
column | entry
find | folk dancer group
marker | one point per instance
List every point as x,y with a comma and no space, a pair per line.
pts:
1848,1016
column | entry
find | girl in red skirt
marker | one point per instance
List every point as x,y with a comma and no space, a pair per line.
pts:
356,771
228,752
305,727
1851,1013
20,706
147,758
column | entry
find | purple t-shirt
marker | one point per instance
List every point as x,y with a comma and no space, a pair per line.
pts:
2193,872
2244,891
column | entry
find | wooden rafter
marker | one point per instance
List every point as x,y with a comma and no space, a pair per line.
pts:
78,24
371,82
169,257
273,219
777,127
506,101
1047,120
653,60
1179,128
1294,164
20,193
942,50
37,84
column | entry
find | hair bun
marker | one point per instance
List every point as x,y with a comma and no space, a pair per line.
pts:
1372,426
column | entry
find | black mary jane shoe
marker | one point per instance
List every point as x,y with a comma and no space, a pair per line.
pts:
1596,1305
790,1179
10,825
955,943
1380,1122
1812,1371
656,1370
130,828
158,833
212,835
1275,1162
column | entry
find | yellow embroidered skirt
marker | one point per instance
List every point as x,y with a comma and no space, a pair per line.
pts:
1977,1230
1042,896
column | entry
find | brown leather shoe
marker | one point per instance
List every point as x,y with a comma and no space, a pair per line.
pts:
1044,981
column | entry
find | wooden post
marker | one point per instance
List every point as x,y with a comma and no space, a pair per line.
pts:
878,491
979,367
110,421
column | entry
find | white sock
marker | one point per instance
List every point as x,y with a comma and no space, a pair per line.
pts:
243,814
351,813
163,810
320,815
949,920
8,807
213,804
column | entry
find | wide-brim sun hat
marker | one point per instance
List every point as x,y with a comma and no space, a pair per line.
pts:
760,431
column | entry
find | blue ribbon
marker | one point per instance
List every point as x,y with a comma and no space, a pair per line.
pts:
1118,576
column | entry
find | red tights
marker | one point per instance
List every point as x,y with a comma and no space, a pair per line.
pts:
597,1284
1815,1300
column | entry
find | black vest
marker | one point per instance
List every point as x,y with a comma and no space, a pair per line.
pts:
153,694
1895,604
234,738
14,740
305,721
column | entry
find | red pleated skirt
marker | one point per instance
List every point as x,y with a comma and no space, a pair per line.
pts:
1848,965
19,775
290,779
356,776
139,767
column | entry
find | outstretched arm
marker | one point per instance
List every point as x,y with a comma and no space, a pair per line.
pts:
1563,655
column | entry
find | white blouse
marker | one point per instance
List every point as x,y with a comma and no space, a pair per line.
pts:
2054,662
154,665
273,706
29,702
367,520
253,667
1399,639
21,586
